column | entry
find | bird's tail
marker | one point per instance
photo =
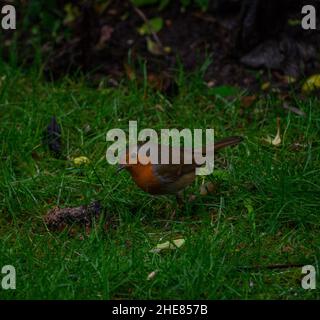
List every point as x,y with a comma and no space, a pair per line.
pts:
226,142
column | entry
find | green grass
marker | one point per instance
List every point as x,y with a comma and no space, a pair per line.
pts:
265,211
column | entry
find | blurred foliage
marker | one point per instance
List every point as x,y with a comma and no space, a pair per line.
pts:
52,19
153,25
203,4
43,18
45,24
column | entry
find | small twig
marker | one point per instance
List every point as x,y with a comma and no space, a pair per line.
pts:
145,19
293,109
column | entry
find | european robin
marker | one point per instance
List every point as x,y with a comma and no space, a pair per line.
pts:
171,178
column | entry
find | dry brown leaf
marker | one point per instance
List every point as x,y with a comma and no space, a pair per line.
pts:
206,188
248,101
203,190
130,72
277,139
105,35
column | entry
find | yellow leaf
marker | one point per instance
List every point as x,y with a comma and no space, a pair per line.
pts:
81,160
154,47
311,84
153,25
265,86
289,79
72,13
174,244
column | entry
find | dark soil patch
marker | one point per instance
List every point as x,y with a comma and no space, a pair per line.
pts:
234,34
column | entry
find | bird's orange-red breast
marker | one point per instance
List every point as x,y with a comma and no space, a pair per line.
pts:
168,178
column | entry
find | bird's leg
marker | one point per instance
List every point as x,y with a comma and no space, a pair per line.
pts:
180,198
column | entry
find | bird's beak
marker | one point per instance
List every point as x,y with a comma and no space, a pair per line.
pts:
121,167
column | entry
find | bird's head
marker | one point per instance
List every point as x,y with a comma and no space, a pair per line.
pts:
129,160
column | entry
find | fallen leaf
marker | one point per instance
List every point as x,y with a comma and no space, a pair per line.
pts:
130,72
78,161
154,47
287,249
265,86
168,245
72,13
277,139
153,25
210,187
311,84
105,35
206,188
203,190
248,101
152,274
285,79
211,83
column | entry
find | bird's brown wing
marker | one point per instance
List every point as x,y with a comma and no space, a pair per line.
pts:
170,172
